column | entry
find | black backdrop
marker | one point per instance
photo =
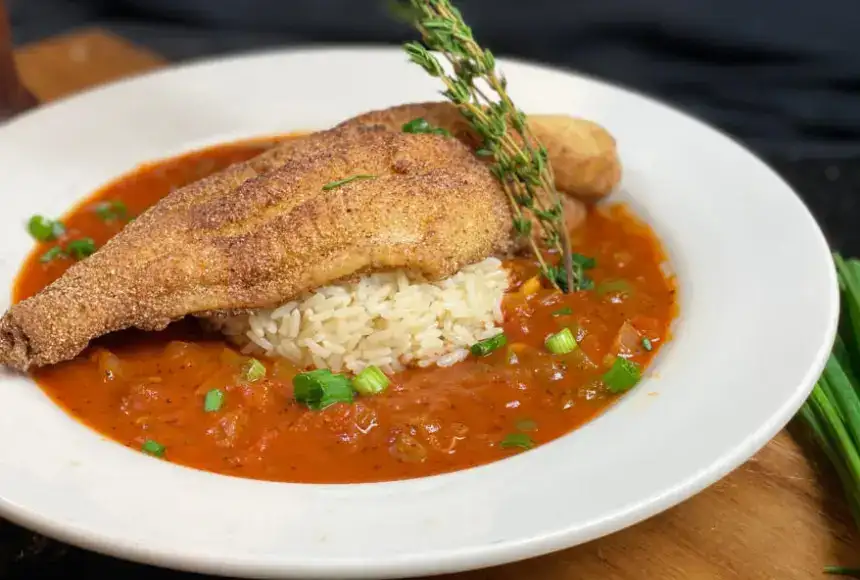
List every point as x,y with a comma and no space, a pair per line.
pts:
783,76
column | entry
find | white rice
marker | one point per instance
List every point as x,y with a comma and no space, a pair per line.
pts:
382,319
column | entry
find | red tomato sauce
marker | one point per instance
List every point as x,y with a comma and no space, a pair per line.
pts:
136,387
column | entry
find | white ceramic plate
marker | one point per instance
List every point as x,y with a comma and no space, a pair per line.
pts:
758,309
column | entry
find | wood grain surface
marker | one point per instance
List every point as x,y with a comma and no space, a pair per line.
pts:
779,516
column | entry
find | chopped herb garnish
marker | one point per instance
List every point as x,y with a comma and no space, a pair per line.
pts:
620,286
52,254
153,448
520,440
526,425
420,125
80,249
584,262
344,181
646,344
111,210
566,311
44,229
321,388
622,376
488,345
253,371
562,342
370,381
213,401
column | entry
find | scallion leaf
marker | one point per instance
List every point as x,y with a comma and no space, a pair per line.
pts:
562,342
45,230
344,181
52,254
82,248
111,210
321,388
213,401
253,371
370,381
566,311
488,345
517,440
419,125
620,286
622,376
153,448
646,344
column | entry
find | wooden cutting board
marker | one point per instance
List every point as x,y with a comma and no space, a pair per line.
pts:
779,516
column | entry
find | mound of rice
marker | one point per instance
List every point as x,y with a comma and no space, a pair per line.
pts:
385,320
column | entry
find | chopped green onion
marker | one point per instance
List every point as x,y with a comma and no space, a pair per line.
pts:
53,253
344,181
622,376
520,440
488,345
419,125
646,344
254,371
370,381
320,388
44,229
526,425
562,342
213,401
566,311
111,210
80,249
621,286
153,448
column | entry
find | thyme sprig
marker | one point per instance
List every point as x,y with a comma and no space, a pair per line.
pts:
520,162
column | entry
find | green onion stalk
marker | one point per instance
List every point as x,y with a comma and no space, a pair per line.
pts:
832,412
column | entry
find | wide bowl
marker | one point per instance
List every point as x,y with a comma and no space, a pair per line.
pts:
758,308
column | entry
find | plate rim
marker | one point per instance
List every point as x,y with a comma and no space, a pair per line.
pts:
490,554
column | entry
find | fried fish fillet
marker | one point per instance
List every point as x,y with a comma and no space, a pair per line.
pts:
583,154
261,232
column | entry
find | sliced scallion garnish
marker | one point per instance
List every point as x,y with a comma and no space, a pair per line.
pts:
562,342
321,388
622,376
646,344
213,401
52,254
521,440
253,371
82,248
488,345
111,210
344,181
153,448
44,229
566,311
370,381
420,125
620,286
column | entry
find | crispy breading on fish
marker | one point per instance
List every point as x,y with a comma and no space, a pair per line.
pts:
583,154
261,232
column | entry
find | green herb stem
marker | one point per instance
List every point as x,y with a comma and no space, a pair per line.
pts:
521,162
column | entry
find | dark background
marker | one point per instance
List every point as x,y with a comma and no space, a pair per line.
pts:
783,76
